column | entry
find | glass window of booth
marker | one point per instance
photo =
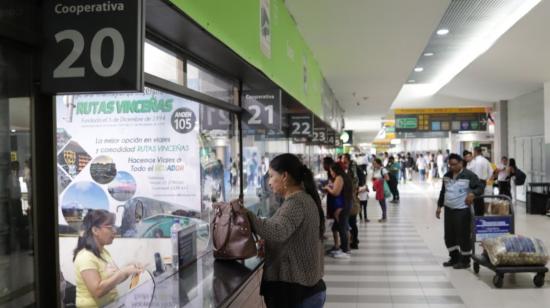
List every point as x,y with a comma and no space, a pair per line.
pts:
202,80
258,150
151,159
16,233
163,63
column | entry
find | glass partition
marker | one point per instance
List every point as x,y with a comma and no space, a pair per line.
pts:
258,150
151,159
17,279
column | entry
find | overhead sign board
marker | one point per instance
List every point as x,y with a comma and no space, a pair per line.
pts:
440,120
263,109
331,138
301,125
93,46
319,136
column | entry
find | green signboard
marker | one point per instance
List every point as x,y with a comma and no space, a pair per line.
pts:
406,123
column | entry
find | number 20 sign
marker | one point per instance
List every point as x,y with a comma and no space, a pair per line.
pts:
93,46
263,109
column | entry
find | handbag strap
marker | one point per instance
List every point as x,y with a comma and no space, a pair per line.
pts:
228,233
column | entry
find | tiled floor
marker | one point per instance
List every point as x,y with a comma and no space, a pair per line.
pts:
399,263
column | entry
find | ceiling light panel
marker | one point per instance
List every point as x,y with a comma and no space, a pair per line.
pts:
474,26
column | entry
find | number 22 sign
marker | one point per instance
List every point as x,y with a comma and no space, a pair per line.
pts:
93,46
263,109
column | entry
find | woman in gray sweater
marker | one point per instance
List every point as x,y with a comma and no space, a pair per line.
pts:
294,258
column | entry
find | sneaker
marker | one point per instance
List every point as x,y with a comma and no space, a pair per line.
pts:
332,250
341,255
450,263
354,246
382,220
367,220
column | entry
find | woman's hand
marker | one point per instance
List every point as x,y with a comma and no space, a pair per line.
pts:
132,269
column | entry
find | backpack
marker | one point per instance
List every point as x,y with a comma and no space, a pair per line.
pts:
520,177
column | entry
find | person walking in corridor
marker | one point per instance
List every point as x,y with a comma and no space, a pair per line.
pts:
482,168
393,168
421,165
458,191
504,187
379,176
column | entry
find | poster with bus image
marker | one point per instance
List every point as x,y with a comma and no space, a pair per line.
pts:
134,154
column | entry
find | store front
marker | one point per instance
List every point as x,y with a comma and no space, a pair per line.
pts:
162,152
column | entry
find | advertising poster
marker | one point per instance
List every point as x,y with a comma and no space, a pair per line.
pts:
133,154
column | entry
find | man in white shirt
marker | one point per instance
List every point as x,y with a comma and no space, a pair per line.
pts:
421,165
482,168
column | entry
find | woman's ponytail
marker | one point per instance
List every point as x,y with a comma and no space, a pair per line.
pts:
311,189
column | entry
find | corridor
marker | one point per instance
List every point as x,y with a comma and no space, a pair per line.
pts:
398,263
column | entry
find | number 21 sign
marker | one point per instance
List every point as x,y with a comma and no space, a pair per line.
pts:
263,109
93,46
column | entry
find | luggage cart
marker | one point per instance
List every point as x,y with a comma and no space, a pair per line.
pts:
493,226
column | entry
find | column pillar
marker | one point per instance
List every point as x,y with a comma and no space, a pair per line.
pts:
546,130
501,129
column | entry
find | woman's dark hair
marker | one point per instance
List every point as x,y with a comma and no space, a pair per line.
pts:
512,164
94,218
348,184
379,161
301,174
327,162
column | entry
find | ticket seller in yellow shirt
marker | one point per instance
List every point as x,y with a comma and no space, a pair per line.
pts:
96,274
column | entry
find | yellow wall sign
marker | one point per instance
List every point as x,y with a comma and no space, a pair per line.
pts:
13,156
440,110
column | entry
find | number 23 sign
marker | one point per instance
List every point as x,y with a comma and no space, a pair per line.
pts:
93,46
263,109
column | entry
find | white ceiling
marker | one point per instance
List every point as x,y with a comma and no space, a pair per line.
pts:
366,47
518,63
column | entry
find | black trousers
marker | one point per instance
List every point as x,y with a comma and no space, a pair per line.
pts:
363,212
457,233
392,183
354,231
504,188
479,204
342,227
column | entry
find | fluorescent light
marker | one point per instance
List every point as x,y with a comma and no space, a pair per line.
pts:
428,54
479,42
418,69
13,131
442,31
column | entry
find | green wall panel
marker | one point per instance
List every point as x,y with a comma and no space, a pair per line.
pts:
237,24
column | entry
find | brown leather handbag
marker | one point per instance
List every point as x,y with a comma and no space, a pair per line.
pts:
232,235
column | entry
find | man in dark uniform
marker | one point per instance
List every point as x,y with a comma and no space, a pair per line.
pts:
460,187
